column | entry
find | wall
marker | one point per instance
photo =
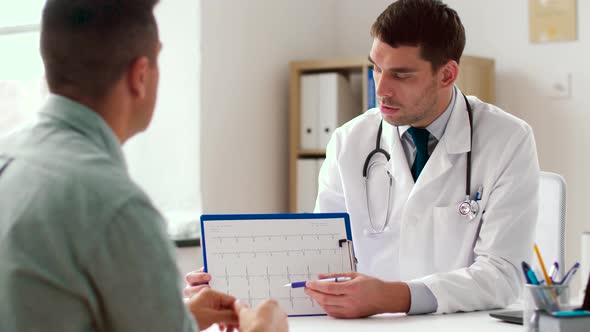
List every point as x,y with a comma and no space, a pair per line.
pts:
525,73
167,165
246,48
353,23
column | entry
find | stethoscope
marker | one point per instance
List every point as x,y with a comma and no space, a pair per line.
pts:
467,209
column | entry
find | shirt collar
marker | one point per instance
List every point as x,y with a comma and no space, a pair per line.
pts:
438,126
84,120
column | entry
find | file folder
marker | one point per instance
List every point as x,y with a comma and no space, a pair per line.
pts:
308,171
336,105
326,103
310,103
307,184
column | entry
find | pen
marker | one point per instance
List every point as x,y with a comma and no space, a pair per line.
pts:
478,193
300,284
525,269
568,276
549,283
553,271
532,277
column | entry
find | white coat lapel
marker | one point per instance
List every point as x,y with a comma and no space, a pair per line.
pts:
455,140
397,165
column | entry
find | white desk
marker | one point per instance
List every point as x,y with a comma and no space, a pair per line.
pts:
468,322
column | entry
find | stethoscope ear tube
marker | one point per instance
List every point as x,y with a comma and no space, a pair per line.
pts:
366,166
377,149
468,208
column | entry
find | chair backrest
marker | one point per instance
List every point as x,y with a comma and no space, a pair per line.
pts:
550,234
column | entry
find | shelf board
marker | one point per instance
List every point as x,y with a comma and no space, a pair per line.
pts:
330,64
311,153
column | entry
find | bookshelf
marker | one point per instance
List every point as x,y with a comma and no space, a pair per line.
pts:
476,77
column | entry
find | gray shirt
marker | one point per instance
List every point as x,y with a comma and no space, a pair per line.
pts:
422,299
82,248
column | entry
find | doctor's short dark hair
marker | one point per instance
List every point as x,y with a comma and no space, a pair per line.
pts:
86,45
428,24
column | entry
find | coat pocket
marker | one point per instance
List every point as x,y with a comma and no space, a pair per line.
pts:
454,238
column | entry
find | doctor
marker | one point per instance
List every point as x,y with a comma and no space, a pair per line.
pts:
403,172
422,245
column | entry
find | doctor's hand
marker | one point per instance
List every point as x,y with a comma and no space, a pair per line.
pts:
362,296
266,317
196,281
210,307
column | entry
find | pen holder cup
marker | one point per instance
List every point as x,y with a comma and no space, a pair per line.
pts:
542,298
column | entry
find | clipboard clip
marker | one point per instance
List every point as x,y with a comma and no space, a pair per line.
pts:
351,257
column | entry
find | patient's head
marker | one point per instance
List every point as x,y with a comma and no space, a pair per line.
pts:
94,50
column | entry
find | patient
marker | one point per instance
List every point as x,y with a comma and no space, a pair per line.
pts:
82,248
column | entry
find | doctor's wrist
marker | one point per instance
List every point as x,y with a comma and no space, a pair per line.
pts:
396,297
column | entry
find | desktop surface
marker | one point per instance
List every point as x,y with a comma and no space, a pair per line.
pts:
478,321
473,321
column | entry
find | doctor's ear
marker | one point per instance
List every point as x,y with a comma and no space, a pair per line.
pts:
448,73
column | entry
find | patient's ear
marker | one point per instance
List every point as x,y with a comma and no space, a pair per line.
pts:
137,77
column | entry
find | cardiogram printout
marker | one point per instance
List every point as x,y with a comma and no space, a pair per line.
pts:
252,257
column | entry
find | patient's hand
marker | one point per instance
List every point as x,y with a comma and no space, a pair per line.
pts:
266,317
196,281
209,307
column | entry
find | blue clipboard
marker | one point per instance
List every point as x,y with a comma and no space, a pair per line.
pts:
227,233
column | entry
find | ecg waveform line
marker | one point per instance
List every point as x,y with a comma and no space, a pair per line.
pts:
281,298
271,252
284,276
288,276
285,236
265,276
290,299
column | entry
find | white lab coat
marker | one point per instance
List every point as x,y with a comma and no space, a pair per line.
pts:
468,265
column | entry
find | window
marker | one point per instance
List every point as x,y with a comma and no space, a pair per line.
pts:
164,160
20,13
22,83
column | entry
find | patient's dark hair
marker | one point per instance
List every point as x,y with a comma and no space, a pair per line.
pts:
428,24
86,45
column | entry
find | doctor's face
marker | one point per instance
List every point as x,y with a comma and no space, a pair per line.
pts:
407,88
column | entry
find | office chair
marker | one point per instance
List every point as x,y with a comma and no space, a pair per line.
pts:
550,233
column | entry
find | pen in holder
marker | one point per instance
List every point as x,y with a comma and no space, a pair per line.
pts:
545,298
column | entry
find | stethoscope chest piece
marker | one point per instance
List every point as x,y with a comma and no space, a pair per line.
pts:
468,209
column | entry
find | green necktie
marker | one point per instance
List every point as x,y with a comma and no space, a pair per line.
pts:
420,138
